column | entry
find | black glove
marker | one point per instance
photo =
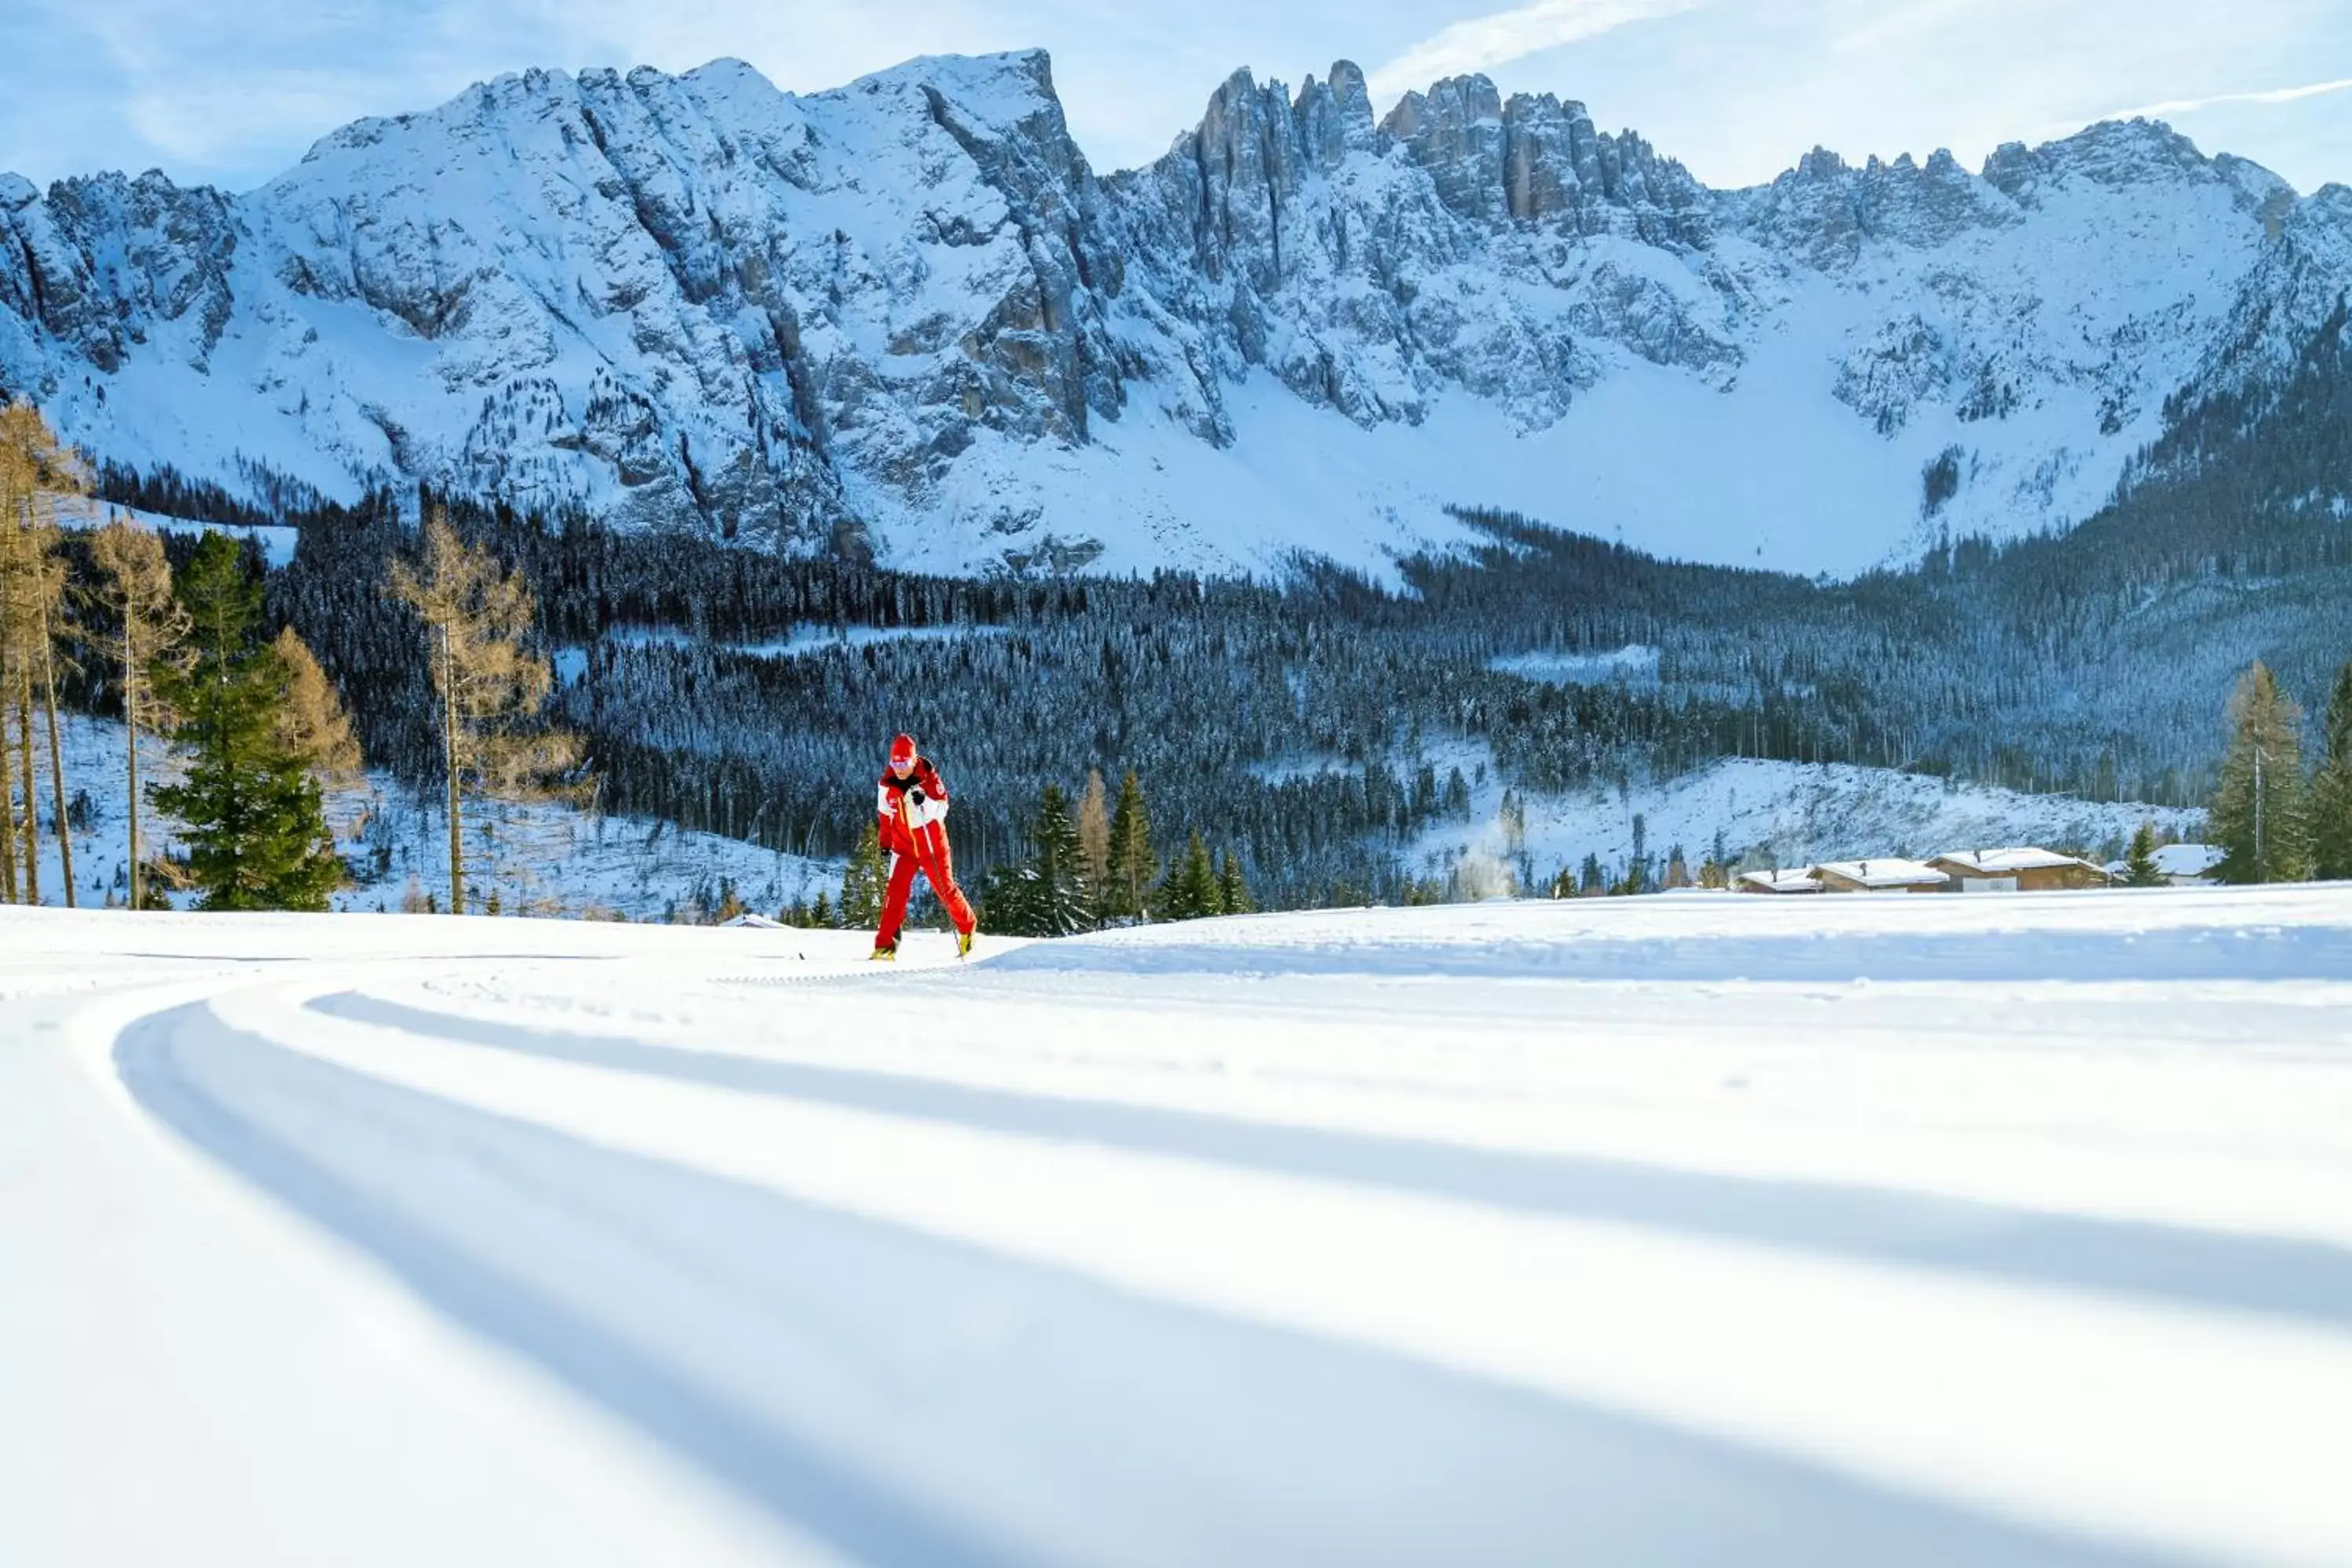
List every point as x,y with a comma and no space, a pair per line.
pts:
916,795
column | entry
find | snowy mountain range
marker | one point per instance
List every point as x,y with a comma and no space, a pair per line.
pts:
906,317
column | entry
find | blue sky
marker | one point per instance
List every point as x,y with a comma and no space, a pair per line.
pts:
234,92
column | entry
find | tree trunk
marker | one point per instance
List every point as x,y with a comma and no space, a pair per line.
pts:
56,759
130,705
449,739
7,809
32,794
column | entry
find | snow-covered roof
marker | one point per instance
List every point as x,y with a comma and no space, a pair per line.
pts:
1790,881
2188,859
2009,862
1882,873
2180,861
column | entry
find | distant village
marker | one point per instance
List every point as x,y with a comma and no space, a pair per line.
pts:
2023,869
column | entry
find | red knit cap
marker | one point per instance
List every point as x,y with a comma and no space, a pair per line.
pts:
902,751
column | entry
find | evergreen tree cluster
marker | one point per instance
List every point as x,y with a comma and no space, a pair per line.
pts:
1060,886
92,614
1282,719
1048,893
2274,821
176,635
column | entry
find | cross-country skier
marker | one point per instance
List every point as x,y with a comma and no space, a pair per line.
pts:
913,806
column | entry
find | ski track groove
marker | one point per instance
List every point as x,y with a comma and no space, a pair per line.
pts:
1457,1467
2292,1278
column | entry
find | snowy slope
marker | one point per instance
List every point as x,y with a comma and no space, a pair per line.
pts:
1779,813
276,543
907,315
1645,1231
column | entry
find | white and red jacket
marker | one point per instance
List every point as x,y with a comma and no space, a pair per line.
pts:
923,794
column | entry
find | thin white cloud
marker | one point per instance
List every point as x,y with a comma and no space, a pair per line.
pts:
2191,105
1482,42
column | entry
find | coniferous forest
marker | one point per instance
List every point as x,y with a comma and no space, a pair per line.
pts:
1283,722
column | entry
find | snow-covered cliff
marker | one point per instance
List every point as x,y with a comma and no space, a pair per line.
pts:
906,316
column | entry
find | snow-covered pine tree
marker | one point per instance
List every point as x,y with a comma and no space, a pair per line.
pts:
1047,894
2140,870
1008,900
1233,891
1063,901
863,881
257,836
2331,788
1190,891
1133,867
2261,812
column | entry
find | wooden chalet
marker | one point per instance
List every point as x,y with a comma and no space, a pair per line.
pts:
1799,880
2019,869
1879,876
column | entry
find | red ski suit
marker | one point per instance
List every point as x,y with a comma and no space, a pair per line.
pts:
913,826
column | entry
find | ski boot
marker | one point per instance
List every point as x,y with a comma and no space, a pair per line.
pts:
963,944
885,955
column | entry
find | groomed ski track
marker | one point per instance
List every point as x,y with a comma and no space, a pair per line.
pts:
1660,1231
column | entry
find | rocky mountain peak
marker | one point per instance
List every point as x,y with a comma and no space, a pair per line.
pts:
1828,211
1334,116
2121,154
109,265
1455,130
2127,152
1537,159
907,315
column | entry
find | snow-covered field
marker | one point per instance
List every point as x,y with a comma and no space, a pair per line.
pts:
1634,664
275,543
1784,814
1638,1231
806,639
